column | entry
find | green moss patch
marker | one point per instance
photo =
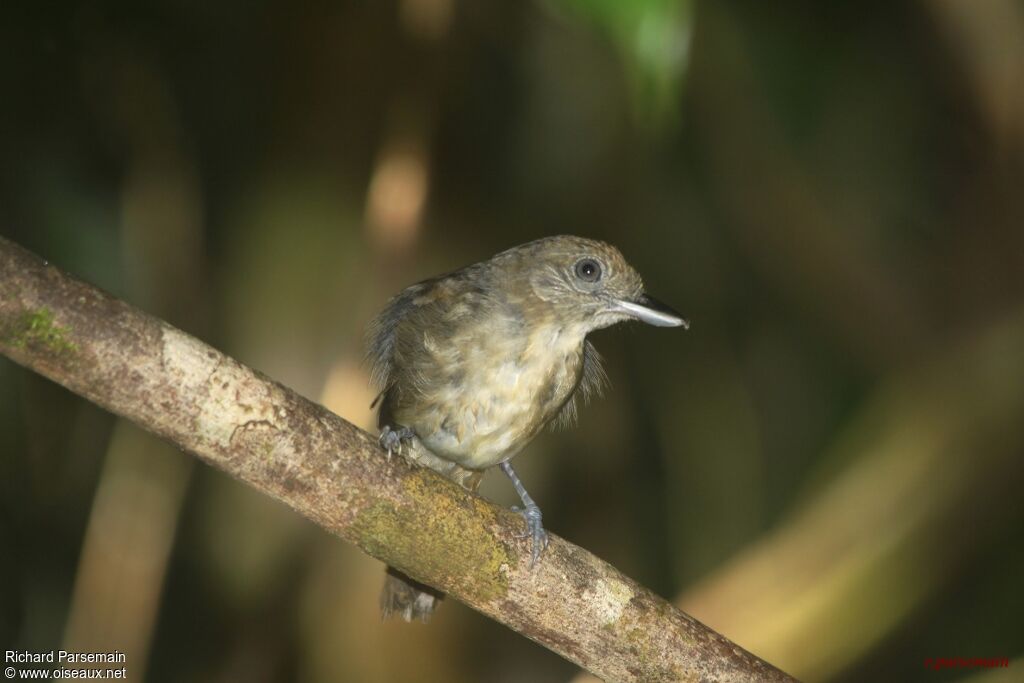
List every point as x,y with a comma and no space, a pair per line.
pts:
439,546
37,329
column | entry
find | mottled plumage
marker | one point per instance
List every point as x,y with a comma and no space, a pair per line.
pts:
473,364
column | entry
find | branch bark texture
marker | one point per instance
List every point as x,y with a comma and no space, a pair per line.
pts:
296,451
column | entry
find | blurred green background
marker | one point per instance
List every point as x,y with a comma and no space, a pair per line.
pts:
828,466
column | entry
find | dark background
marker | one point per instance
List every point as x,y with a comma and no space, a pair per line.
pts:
827,467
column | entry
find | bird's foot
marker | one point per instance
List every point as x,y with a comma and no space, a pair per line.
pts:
534,530
392,440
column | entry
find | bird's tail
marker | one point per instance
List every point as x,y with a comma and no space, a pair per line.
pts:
407,598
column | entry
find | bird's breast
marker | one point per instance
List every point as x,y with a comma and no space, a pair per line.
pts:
491,396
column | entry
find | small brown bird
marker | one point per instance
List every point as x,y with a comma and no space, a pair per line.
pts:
473,364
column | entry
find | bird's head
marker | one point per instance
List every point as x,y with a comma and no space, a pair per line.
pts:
589,282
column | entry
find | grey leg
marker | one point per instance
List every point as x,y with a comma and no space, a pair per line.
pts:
391,439
531,513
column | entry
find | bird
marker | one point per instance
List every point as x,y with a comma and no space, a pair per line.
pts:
471,365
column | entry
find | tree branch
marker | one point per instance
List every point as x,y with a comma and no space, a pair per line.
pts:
331,472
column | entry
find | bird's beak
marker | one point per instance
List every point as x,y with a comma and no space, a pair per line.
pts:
652,312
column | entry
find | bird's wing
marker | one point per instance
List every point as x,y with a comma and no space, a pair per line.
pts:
593,380
382,334
450,296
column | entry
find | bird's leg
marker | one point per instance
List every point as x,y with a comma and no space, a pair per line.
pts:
531,513
391,439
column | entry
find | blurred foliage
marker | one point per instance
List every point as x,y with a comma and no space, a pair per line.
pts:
653,38
827,465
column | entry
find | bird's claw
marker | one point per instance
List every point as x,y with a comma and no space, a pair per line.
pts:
534,530
392,440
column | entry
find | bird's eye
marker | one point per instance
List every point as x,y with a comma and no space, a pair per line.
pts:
588,270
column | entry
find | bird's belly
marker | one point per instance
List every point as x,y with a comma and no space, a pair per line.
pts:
492,414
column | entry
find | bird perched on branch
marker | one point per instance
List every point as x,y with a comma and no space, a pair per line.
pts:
473,364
